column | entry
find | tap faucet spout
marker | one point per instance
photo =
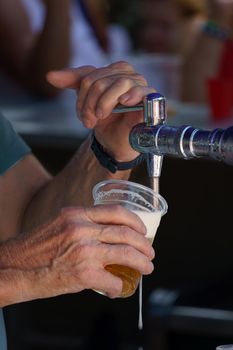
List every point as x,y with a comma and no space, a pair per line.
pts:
154,114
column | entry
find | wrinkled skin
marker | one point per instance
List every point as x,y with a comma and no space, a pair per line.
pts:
69,254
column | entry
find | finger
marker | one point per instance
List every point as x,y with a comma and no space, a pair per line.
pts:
123,66
115,214
68,78
102,98
98,75
103,214
119,234
135,95
86,104
101,105
125,255
106,283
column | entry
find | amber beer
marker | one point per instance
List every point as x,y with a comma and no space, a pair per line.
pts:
129,276
145,203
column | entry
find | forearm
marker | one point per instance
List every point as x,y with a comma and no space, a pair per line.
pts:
71,187
52,48
17,282
13,284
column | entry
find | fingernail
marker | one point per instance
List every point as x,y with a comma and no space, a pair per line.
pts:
152,267
124,98
99,113
86,121
152,254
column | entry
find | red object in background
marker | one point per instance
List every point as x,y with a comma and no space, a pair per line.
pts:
220,89
220,95
226,63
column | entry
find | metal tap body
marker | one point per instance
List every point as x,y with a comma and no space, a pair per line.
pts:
183,142
154,114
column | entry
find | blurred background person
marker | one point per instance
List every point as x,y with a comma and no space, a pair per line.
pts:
25,56
41,35
163,33
212,54
159,26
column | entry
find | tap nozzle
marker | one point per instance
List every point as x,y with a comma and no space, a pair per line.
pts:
154,107
154,114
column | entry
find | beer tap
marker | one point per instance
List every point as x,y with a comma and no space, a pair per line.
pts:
154,114
157,139
184,142
154,109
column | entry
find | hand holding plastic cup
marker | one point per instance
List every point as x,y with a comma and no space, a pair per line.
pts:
145,203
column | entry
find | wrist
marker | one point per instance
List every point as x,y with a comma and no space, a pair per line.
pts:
107,161
116,146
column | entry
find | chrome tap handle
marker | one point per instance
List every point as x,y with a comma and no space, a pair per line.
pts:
154,108
154,114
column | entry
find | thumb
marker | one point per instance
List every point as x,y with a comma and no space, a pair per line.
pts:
68,78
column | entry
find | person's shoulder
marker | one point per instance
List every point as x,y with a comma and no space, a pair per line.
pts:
3,121
12,146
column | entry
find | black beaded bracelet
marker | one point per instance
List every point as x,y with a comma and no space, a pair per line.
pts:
110,163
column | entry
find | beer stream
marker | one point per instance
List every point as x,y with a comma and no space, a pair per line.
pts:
154,185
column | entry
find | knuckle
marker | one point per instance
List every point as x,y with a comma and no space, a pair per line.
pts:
65,216
127,251
141,78
99,85
68,214
89,212
86,82
123,233
87,113
123,81
101,104
85,251
71,231
64,212
123,65
118,209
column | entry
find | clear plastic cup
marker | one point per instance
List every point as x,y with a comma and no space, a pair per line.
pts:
225,347
144,202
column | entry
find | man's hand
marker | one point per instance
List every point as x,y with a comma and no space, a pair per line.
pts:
99,91
70,253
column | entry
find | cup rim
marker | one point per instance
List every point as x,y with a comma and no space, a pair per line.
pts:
135,184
